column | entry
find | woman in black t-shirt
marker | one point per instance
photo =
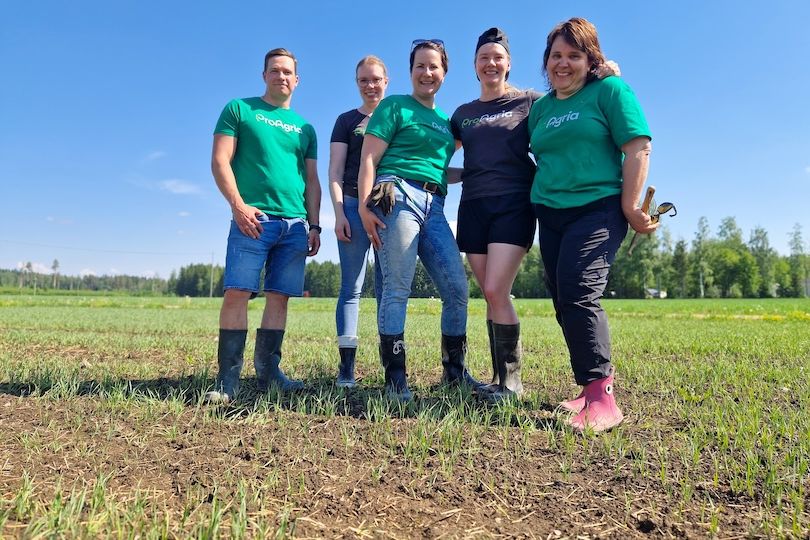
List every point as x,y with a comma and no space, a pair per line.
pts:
353,244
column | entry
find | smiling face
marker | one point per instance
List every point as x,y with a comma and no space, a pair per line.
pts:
567,68
427,74
492,64
371,82
280,78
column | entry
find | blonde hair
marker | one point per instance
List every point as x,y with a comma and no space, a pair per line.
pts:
371,60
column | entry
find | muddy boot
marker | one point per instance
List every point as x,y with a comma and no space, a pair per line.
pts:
578,403
267,358
454,352
493,385
345,378
508,357
392,355
600,411
230,357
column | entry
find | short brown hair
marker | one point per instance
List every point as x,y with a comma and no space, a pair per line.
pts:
433,46
371,60
580,34
279,51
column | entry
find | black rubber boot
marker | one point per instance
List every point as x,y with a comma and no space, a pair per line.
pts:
266,360
230,357
345,378
392,355
508,356
494,383
454,352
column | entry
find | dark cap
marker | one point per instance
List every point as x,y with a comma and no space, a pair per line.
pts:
493,35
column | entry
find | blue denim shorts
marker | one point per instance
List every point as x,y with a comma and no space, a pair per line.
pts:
281,250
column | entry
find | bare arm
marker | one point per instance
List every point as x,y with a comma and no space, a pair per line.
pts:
337,165
244,215
373,150
312,201
634,174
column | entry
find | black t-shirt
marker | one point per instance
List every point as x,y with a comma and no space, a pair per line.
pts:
495,137
350,127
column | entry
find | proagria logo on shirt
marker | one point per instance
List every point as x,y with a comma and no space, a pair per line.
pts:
441,128
557,121
278,123
485,118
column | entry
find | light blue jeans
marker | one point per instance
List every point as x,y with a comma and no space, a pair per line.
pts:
417,227
353,257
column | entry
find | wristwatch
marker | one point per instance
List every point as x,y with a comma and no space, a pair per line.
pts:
316,228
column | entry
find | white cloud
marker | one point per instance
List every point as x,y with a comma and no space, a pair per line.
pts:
178,186
36,267
149,274
87,272
59,221
152,156
113,272
453,224
184,214
807,169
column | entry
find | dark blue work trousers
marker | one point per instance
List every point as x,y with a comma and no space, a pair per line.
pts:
578,245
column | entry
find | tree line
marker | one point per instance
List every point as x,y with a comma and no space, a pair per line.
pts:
724,265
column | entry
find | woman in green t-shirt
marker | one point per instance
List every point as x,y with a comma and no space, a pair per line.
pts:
592,145
406,150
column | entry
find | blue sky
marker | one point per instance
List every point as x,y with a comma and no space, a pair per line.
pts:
109,109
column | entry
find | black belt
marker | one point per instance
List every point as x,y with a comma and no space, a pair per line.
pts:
350,190
430,187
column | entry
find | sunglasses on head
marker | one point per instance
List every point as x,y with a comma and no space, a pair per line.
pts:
418,42
663,209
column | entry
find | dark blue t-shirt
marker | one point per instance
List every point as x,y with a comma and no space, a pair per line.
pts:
349,129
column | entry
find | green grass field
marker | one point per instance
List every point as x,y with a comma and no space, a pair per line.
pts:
102,432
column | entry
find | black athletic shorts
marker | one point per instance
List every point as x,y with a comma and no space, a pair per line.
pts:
502,219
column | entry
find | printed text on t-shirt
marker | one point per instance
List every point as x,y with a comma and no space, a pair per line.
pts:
278,123
557,121
485,118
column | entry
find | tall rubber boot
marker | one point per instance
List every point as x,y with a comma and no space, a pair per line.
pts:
454,352
495,379
392,355
578,403
345,378
267,358
508,357
230,357
600,411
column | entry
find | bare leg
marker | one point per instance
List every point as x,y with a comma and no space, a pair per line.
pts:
275,311
233,314
500,268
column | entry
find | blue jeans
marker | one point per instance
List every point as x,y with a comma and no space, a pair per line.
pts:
353,257
578,245
417,227
281,250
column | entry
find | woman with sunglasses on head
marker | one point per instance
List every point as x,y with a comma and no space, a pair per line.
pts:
406,150
353,244
592,145
496,221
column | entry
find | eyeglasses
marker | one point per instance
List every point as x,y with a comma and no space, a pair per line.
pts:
663,209
370,82
417,42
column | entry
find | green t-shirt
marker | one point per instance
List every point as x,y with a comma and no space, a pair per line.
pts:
577,142
420,143
271,148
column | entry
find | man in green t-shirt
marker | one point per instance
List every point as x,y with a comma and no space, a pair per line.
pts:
264,163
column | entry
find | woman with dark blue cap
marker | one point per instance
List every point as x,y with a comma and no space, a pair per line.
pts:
496,221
